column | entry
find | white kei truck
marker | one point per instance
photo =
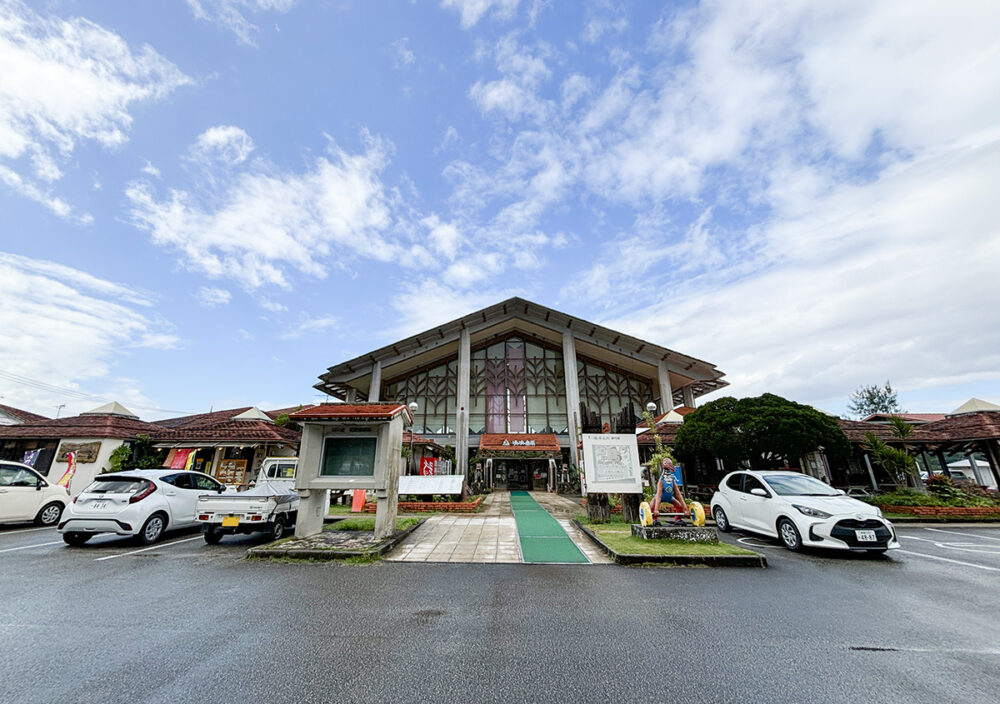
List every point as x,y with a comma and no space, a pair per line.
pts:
270,506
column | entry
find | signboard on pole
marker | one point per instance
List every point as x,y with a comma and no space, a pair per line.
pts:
611,463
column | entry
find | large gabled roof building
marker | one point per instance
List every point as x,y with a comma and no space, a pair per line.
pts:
520,368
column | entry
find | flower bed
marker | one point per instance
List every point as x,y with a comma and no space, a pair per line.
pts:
425,506
946,511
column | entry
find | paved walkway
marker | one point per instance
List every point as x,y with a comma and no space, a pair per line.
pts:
487,536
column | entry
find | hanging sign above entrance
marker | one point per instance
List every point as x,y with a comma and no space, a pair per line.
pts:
518,442
611,464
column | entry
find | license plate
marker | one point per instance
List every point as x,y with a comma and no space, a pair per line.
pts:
230,521
865,536
99,504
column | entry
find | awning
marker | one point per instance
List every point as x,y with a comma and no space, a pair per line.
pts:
514,443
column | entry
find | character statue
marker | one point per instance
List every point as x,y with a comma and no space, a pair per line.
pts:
668,493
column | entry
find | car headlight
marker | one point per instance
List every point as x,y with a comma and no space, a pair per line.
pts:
812,512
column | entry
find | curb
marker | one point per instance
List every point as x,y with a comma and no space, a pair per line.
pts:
333,554
958,521
757,560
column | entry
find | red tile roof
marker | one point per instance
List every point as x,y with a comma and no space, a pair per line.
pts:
667,433
911,417
104,426
230,431
984,425
519,442
23,416
353,411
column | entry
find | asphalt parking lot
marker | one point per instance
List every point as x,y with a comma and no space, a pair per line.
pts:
184,621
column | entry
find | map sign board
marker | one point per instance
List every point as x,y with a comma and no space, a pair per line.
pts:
611,464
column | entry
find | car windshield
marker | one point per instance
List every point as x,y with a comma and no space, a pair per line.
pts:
118,485
798,485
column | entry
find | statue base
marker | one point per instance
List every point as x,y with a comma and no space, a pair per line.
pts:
689,534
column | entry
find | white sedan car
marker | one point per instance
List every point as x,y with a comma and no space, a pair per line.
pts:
26,496
141,503
800,511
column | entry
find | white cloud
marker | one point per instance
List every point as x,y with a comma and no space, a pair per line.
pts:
260,223
402,54
230,14
209,296
65,82
151,170
307,326
444,237
226,144
65,327
472,11
433,303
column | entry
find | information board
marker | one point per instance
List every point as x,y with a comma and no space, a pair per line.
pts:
231,471
611,464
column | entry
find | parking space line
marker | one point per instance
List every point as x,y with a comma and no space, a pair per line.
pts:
948,559
25,547
151,547
18,531
963,534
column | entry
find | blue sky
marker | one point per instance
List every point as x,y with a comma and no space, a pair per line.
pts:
207,202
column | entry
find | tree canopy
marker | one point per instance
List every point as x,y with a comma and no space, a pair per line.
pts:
873,398
767,431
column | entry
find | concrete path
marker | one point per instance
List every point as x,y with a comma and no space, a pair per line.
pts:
487,536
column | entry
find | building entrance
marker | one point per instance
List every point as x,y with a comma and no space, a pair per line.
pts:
518,474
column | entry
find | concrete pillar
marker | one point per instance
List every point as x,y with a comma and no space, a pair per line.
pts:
462,403
572,394
943,463
992,451
388,455
313,503
688,392
352,395
871,472
666,391
974,466
375,388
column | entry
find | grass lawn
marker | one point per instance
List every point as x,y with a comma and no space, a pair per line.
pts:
338,510
619,538
368,523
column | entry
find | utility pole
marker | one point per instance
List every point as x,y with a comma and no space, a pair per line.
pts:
59,409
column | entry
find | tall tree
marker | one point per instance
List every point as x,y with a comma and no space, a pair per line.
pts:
873,398
766,431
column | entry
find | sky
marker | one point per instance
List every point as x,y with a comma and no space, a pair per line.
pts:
206,203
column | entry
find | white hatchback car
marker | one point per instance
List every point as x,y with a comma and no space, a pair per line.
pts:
800,511
141,503
26,496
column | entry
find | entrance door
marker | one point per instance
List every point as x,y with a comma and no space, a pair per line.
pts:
519,474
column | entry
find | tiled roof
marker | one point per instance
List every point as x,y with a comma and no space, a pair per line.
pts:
23,416
81,427
972,426
910,417
352,411
420,440
667,433
856,430
229,431
519,442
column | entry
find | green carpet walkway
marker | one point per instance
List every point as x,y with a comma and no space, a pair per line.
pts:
543,540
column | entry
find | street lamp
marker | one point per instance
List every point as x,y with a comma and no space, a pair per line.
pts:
413,412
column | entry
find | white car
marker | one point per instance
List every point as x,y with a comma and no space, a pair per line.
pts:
141,503
26,496
800,511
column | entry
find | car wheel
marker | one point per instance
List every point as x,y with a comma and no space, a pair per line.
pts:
49,515
152,529
789,535
213,535
278,529
721,520
76,539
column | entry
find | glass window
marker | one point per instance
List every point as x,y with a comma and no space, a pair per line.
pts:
181,481
117,485
205,483
348,457
735,481
17,476
751,483
798,485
